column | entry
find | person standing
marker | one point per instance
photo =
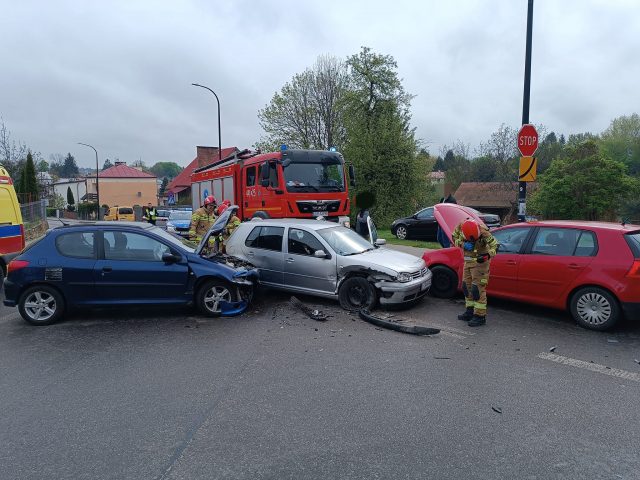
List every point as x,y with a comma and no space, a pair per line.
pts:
151,214
232,224
478,247
202,219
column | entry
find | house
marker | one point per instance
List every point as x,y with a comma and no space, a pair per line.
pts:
124,185
179,189
78,187
500,198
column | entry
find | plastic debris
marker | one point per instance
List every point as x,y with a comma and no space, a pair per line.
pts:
232,309
317,315
414,329
553,349
496,409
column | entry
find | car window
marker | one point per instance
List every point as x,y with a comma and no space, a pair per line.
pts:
126,211
633,240
302,242
587,245
555,241
76,245
133,246
425,214
273,175
510,240
251,176
267,238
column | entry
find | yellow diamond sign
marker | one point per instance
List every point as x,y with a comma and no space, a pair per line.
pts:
528,166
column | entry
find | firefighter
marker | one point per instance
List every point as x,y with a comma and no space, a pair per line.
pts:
232,224
202,219
478,247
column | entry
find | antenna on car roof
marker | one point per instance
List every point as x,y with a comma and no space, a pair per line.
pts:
64,223
624,221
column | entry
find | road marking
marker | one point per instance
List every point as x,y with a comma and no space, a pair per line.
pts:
594,367
449,334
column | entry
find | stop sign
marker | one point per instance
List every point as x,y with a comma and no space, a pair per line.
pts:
527,140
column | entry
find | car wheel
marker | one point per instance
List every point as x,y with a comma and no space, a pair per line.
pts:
357,293
401,232
444,282
211,293
594,308
41,305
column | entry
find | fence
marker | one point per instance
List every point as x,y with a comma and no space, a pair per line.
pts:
34,218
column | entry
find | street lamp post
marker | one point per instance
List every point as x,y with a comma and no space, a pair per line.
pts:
97,184
219,135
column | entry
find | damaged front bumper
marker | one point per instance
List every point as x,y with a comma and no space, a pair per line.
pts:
398,292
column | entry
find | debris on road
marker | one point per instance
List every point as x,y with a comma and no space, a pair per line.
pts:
496,409
317,315
414,330
553,349
442,358
637,361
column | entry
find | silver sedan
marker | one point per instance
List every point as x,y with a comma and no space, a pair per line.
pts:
321,258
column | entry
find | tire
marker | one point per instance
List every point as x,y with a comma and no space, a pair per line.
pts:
210,293
357,293
401,232
444,282
41,305
594,308
260,214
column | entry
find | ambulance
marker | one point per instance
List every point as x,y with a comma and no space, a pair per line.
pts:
11,227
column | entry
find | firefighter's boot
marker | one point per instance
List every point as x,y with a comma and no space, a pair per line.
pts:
467,315
478,320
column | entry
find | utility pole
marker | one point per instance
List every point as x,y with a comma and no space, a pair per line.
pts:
522,190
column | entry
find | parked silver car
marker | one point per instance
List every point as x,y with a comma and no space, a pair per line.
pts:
321,258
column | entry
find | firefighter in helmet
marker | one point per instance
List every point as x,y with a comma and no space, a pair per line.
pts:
202,219
478,246
232,224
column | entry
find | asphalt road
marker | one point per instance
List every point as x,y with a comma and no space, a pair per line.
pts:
136,394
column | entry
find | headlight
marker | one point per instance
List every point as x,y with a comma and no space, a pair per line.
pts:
404,277
347,224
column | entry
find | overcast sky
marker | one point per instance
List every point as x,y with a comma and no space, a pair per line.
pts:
117,75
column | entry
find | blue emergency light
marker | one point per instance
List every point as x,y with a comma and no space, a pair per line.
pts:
283,147
332,149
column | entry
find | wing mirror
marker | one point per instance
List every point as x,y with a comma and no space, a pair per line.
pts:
380,242
169,257
320,254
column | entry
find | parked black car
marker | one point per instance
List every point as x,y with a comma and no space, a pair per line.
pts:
422,225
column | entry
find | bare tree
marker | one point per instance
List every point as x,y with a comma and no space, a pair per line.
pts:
12,154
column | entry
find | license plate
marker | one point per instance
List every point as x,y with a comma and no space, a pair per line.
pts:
321,214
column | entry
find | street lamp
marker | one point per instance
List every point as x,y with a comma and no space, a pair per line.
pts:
219,135
97,184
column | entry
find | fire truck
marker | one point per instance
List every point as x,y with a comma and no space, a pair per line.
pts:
285,184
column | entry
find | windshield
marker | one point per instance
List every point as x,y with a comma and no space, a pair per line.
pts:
179,215
314,177
176,241
344,241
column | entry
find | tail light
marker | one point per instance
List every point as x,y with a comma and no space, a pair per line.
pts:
16,265
634,271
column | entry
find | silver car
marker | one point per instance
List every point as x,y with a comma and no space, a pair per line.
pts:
321,258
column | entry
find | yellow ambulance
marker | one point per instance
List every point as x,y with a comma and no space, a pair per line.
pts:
11,227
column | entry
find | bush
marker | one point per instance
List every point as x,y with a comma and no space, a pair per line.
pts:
51,212
85,210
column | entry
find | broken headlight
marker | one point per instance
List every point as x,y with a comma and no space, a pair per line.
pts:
404,277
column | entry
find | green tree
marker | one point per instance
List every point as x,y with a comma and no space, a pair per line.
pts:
483,169
69,168
380,141
70,200
163,186
31,182
43,166
166,169
107,164
621,141
549,149
583,185
439,165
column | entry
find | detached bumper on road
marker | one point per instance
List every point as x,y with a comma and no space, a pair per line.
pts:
396,292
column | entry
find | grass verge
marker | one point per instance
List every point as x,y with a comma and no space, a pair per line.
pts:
392,239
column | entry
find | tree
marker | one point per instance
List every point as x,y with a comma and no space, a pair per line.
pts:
107,164
483,169
456,163
548,150
502,147
12,154
43,166
69,168
166,169
308,111
380,141
28,180
163,186
70,200
439,165
621,141
583,185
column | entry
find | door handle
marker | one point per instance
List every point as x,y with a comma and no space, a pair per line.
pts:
290,260
263,203
107,269
511,262
574,266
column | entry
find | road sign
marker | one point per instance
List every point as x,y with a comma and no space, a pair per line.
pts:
171,200
527,140
528,167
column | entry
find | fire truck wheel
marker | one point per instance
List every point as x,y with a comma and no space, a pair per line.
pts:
262,215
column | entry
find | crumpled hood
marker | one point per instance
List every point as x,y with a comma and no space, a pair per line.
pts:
386,260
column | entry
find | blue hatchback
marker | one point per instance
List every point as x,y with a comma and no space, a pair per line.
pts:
109,263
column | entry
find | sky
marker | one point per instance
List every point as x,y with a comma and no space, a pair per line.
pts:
118,74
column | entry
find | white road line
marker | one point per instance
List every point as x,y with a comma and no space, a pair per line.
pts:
594,367
449,334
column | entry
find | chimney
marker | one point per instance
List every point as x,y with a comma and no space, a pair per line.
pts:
118,162
206,155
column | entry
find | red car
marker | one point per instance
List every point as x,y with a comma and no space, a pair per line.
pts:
590,268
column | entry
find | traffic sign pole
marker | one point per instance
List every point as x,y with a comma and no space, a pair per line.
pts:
522,190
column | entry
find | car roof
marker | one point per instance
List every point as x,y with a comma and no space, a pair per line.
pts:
580,224
120,224
309,223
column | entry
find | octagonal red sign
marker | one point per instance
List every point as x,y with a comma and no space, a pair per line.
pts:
527,140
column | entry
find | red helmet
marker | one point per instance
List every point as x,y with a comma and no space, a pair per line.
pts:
471,230
227,203
209,200
222,208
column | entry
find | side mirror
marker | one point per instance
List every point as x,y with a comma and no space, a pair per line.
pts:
320,254
352,176
169,257
380,242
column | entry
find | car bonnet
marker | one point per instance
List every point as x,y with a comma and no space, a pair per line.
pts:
450,215
217,227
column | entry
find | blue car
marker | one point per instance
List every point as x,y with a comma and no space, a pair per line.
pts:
109,263
179,222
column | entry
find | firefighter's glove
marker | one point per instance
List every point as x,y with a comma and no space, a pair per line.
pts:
483,258
468,246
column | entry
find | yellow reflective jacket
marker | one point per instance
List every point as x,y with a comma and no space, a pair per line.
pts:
201,222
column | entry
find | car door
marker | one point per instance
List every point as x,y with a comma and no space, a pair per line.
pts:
74,270
263,248
552,263
302,269
503,273
425,226
131,270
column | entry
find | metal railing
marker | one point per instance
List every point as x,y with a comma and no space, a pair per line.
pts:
34,218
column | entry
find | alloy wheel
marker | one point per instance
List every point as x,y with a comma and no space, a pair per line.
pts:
401,232
593,308
213,296
40,306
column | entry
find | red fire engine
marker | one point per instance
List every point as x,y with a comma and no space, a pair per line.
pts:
288,183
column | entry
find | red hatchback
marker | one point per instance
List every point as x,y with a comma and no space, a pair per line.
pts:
590,268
